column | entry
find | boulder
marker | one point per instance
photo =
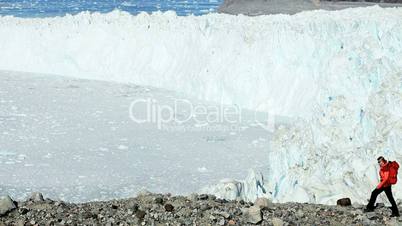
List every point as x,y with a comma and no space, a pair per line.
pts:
262,203
344,202
36,197
6,205
277,222
252,215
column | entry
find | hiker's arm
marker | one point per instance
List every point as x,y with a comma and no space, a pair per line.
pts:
386,176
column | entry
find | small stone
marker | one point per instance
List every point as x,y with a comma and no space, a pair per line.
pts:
205,206
23,211
224,214
111,220
344,202
221,201
140,214
380,205
221,222
144,193
252,215
58,203
169,207
299,214
158,200
36,197
133,206
211,197
203,197
371,215
277,222
231,222
18,223
262,203
193,196
6,205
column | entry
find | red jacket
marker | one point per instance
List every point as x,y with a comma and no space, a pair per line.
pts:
384,175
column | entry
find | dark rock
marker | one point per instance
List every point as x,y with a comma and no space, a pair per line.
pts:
158,200
203,197
23,211
133,206
140,214
344,202
169,207
221,201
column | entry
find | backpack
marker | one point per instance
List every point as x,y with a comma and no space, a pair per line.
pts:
393,172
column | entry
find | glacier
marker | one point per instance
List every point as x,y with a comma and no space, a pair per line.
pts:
337,74
216,57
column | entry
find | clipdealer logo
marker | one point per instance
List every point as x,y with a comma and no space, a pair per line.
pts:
175,114
181,111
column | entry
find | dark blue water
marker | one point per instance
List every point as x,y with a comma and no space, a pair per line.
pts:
49,8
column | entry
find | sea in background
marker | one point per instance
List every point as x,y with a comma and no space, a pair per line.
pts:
51,8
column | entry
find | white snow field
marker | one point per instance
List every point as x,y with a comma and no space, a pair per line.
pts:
336,75
73,139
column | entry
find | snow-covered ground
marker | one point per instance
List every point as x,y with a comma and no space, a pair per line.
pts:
74,139
335,76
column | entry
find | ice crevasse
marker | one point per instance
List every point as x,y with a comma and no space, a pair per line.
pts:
338,73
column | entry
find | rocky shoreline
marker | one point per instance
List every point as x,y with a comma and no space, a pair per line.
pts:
164,209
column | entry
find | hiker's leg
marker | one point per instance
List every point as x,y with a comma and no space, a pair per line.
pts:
373,197
388,192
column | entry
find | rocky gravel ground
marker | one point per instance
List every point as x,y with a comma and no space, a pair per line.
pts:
158,209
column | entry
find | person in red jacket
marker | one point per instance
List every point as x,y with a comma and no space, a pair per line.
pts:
385,186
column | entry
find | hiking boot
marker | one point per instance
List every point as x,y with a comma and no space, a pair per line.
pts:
366,210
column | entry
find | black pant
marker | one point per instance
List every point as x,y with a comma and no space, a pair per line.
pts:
391,199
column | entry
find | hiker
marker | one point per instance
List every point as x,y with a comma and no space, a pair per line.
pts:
388,175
